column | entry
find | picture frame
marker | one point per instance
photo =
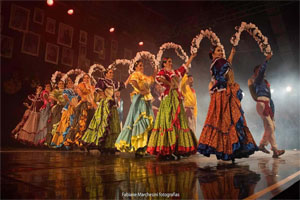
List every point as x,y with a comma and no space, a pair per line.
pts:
99,46
65,35
50,25
38,16
82,50
127,53
83,63
83,37
19,18
31,43
113,55
114,45
7,45
67,56
52,53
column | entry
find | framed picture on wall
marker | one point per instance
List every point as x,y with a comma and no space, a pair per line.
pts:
83,63
52,52
113,55
114,45
50,25
19,18
38,16
99,46
82,51
67,56
7,45
127,53
83,37
65,35
31,43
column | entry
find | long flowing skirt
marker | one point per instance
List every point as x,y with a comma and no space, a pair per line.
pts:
104,127
171,134
42,126
138,126
225,132
53,122
78,126
63,127
28,132
21,123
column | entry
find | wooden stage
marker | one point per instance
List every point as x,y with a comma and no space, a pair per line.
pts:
45,174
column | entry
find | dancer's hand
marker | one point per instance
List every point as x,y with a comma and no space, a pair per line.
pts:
268,57
26,104
193,55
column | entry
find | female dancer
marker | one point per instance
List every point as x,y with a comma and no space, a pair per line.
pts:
104,128
171,137
139,121
225,132
57,97
28,131
40,137
67,112
85,90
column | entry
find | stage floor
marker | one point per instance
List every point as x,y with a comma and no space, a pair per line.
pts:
43,174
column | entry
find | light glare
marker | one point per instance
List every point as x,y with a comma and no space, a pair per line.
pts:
288,88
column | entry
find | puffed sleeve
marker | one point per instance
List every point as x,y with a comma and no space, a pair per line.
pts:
181,70
134,77
100,86
219,70
159,75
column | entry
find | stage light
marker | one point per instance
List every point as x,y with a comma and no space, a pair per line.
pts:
50,2
272,90
111,29
141,43
70,11
288,88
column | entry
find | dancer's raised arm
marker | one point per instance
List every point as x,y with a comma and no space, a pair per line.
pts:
232,53
190,59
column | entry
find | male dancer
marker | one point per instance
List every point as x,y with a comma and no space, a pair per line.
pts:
260,91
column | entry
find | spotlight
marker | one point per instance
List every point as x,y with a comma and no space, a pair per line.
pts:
272,91
70,11
141,43
288,88
112,29
50,2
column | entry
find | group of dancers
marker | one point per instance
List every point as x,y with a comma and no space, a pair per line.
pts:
86,116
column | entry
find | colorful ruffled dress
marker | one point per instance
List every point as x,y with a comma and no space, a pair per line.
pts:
29,130
45,112
56,111
104,127
81,115
171,134
225,132
66,119
139,121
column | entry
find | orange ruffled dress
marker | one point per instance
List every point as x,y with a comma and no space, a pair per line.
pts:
225,132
